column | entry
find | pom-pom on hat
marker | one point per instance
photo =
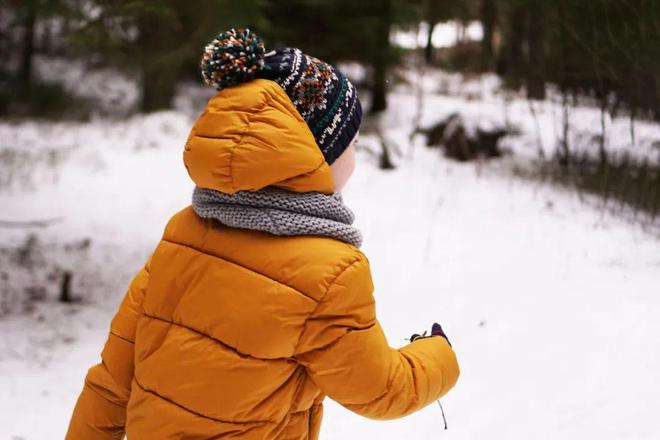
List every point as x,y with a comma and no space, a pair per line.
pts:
232,57
325,98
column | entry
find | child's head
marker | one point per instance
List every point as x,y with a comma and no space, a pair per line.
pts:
324,97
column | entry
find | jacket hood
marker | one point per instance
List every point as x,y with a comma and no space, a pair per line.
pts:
251,136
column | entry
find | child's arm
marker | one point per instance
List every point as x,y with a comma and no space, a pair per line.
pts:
100,413
346,354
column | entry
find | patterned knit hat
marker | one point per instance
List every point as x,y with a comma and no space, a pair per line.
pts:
325,98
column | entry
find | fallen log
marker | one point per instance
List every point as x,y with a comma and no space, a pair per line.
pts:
462,144
29,223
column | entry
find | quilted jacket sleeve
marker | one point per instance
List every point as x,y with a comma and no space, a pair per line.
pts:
347,355
100,412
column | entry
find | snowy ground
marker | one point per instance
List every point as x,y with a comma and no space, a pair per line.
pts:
551,305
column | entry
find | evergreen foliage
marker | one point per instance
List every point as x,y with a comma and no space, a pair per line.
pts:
606,49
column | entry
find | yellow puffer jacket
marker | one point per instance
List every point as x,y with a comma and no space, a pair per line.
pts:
229,333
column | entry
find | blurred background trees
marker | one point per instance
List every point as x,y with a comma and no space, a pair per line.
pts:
573,74
606,49
158,40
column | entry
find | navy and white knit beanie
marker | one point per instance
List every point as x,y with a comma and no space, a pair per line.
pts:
325,98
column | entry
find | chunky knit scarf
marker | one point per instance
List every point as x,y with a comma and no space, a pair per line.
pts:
280,212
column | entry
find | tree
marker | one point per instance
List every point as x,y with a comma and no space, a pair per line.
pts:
28,13
511,62
161,39
344,30
488,22
21,21
380,58
535,75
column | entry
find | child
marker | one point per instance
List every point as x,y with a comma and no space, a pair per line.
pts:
257,303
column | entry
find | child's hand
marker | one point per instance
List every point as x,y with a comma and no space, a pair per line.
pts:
436,330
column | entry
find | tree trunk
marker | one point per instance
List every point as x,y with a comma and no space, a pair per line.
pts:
158,86
380,62
565,151
536,42
602,145
27,48
515,64
159,72
565,148
379,89
65,288
428,50
488,19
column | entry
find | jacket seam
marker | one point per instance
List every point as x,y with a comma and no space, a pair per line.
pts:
89,387
122,338
224,344
332,282
240,265
240,140
299,392
334,341
233,150
414,378
201,136
147,271
306,173
154,393
388,387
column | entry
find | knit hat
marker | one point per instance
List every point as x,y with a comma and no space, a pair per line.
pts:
324,97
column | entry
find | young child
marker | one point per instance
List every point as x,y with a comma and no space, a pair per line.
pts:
257,303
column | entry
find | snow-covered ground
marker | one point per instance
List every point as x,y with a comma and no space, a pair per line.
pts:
483,103
552,306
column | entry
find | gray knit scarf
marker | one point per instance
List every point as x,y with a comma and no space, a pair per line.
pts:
280,212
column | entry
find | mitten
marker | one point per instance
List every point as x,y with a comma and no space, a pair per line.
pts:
436,330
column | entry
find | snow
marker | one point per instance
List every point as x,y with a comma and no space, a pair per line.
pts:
118,97
481,101
551,304
550,307
444,35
